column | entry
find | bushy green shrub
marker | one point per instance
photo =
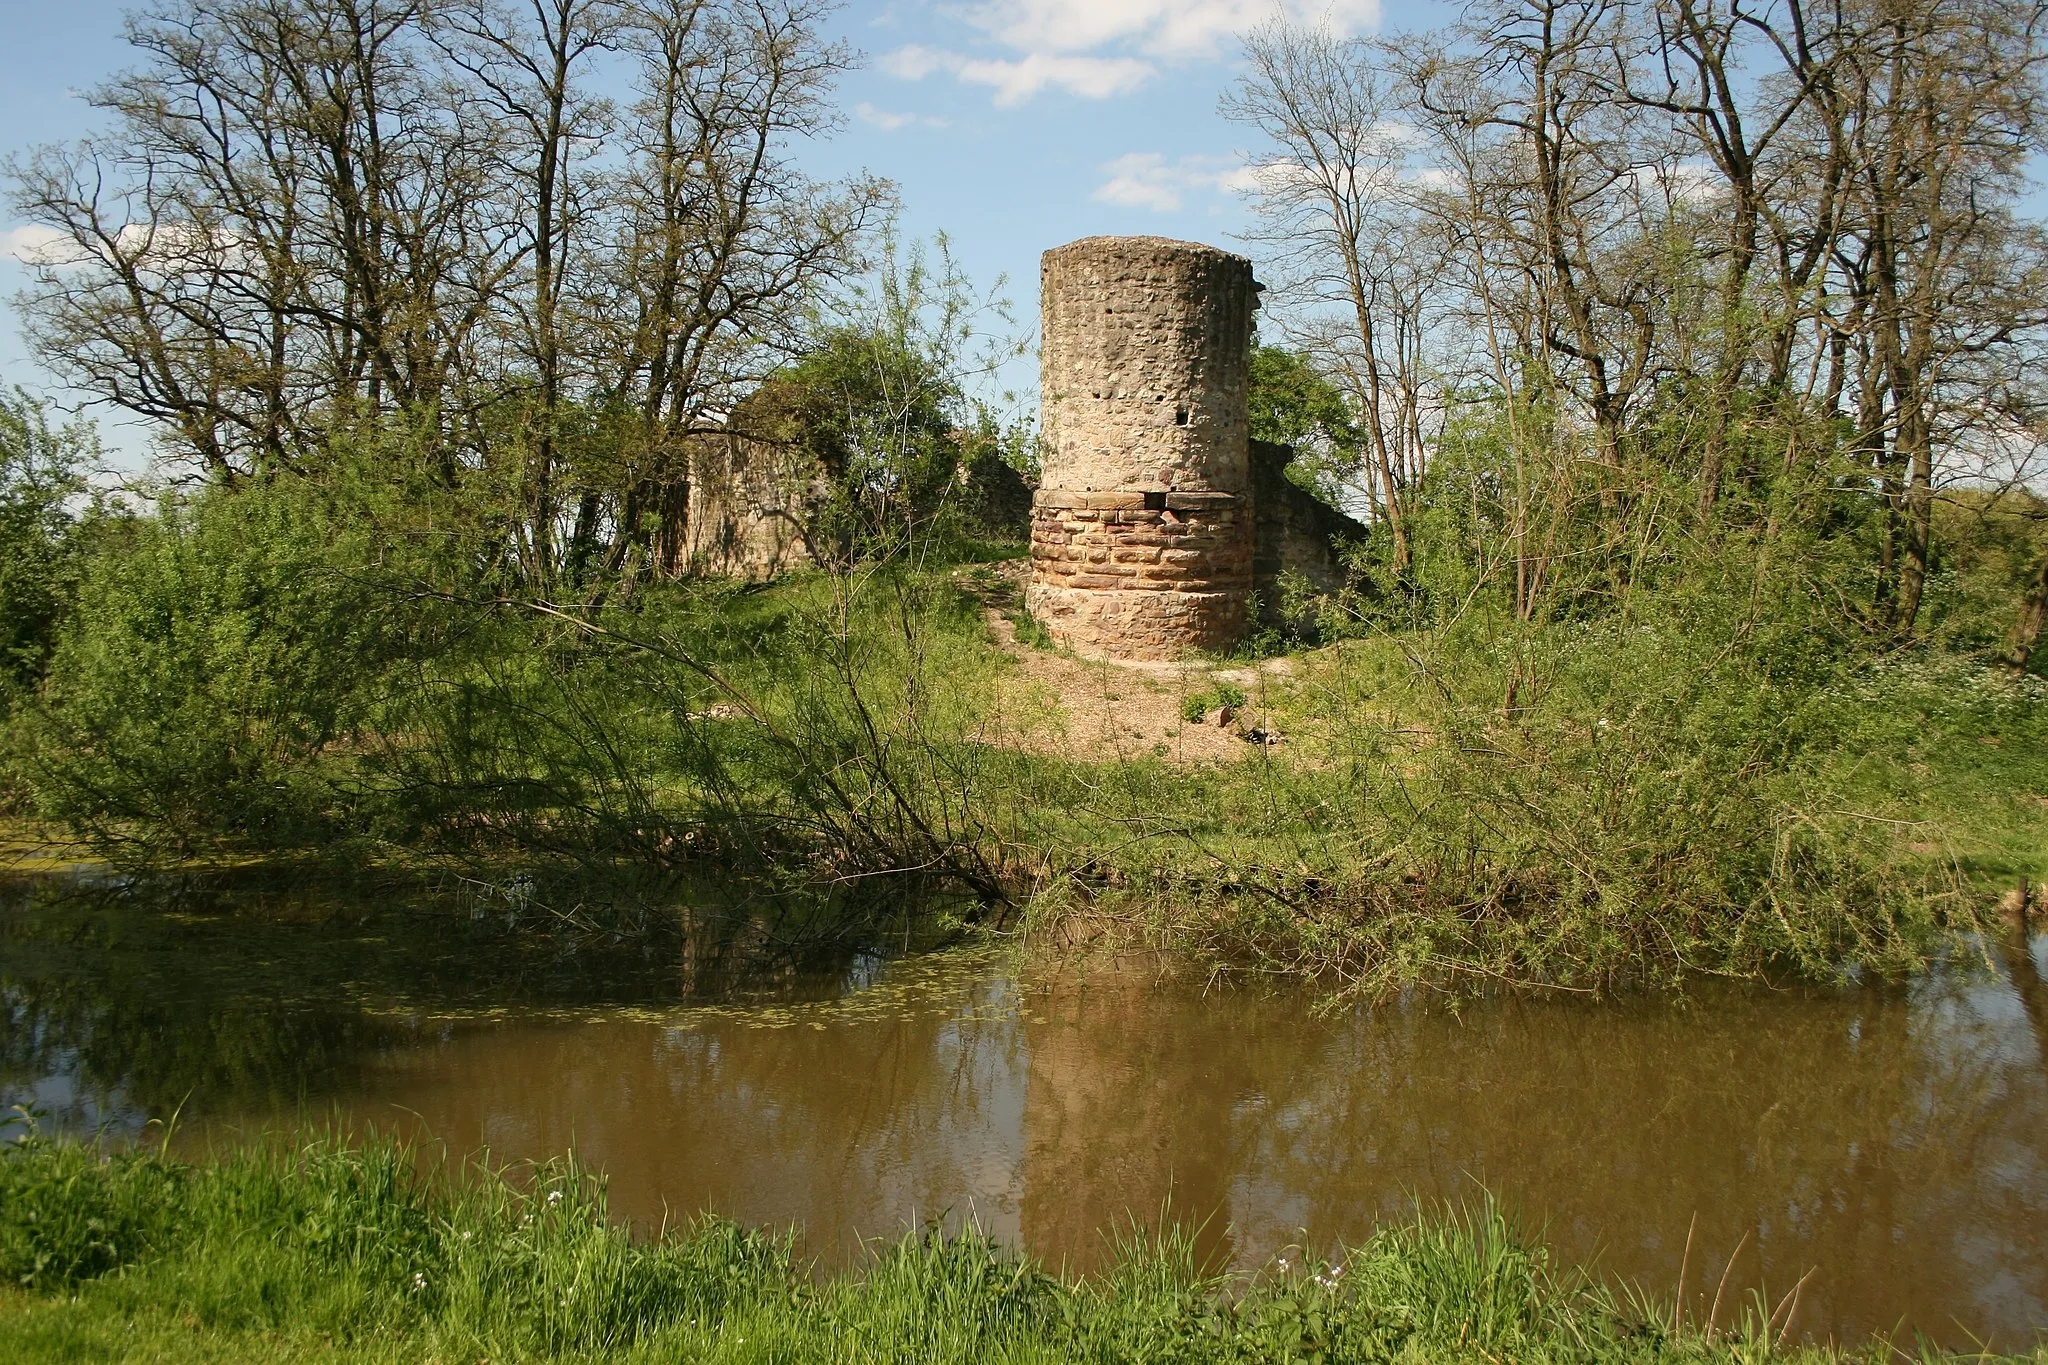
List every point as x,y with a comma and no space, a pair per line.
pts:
72,1214
824,727
1593,803
43,499
216,654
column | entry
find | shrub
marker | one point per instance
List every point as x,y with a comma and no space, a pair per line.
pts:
71,1214
42,499
216,653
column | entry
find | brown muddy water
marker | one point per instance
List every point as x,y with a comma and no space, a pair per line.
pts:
1891,1141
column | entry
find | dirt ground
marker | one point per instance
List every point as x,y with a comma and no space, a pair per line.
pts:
1098,711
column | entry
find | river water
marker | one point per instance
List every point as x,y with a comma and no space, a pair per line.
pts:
1892,1141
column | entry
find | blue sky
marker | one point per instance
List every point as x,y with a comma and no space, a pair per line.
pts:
1012,125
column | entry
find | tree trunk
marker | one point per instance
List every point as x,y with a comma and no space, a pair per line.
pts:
2026,628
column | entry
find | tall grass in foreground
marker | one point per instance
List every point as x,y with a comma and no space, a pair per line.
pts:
328,1251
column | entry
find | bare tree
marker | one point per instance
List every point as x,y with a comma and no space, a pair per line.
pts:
284,228
1947,108
723,245
411,226
1341,234
521,61
1682,231
1689,59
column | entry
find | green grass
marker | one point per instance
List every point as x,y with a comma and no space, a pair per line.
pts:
1593,803
323,1251
1591,807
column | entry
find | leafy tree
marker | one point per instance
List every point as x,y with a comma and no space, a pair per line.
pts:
1295,404
881,418
881,402
214,656
42,496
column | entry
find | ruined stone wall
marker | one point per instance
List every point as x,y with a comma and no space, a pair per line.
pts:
756,508
996,497
1141,538
1297,532
753,505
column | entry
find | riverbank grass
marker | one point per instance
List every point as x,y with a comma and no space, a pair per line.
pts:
323,1251
1591,804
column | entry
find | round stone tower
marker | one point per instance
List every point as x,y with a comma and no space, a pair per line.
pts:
1141,530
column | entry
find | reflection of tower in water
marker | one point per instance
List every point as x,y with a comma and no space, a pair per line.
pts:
2024,970
1125,1121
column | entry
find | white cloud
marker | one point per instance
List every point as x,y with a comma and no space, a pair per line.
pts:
1160,28
888,120
1140,180
1239,180
1017,81
1692,184
914,63
33,244
1146,180
1099,48
1092,78
882,118
164,247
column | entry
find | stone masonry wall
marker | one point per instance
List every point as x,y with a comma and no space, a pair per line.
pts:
1141,538
752,507
1297,532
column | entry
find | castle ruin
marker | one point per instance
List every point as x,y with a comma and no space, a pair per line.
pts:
1141,534
1158,518
1159,525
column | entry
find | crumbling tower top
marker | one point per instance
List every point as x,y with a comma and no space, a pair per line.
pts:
1146,359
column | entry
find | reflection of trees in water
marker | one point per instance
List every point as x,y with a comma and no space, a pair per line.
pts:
845,1128
99,996
131,1056
221,992
1892,1143
1894,1140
